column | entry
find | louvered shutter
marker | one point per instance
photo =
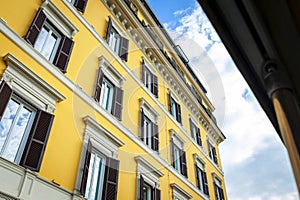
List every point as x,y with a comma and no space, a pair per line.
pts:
64,53
80,5
170,100
155,137
98,85
197,176
183,163
35,27
216,191
191,127
143,72
5,94
222,194
37,140
205,183
199,141
142,119
141,188
109,27
123,51
178,110
117,103
86,168
215,155
155,85
157,194
173,153
110,184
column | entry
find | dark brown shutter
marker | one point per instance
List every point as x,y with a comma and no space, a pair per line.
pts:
197,176
37,140
199,141
98,85
183,163
222,194
5,94
142,119
117,103
141,188
80,5
155,85
123,52
143,72
155,137
157,194
110,184
109,27
35,27
216,191
205,183
170,100
178,110
191,127
215,155
173,153
86,168
63,54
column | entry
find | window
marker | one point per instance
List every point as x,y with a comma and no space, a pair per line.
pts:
149,79
179,193
116,41
107,91
174,108
148,180
178,155
149,129
79,4
212,152
52,41
218,188
25,125
99,170
201,177
195,132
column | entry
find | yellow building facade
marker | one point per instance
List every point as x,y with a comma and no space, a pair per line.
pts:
97,102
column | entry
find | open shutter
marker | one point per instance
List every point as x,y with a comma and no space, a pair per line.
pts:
5,94
157,194
141,188
35,27
37,140
155,139
63,54
110,186
142,119
178,110
222,194
109,27
86,168
183,163
197,176
143,72
117,103
98,85
215,155
199,141
170,100
155,85
123,52
216,191
191,127
173,153
80,5
205,183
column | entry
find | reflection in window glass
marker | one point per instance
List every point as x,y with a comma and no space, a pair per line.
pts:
14,129
106,97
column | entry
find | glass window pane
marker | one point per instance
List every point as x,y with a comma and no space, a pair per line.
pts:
38,45
49,46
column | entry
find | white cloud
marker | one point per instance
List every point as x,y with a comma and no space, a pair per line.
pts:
245,125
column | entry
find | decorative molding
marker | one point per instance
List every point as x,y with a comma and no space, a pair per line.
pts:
148,110
179,192
177,139
199,162
30,85
150,173
110,71
59,19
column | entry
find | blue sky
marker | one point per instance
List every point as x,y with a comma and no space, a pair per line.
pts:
254,159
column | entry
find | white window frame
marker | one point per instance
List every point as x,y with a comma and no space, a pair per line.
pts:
101,139
30,86
179,142
210,145
149,173
179,192
217,180
59,19
106,99
195,129
110,72
119,32
175,99
201,165
150,70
